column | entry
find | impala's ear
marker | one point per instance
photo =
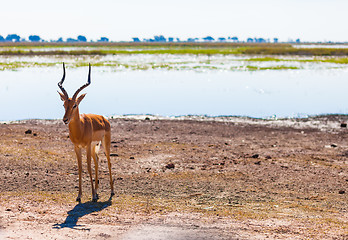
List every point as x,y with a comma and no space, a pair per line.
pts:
79,99
62,96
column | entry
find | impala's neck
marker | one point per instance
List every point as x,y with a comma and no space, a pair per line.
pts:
75,126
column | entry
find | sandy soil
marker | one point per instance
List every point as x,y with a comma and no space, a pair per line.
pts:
184,178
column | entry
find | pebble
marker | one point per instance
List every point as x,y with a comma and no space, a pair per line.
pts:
170,166
29,131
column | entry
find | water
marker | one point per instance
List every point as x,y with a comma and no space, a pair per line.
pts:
32,92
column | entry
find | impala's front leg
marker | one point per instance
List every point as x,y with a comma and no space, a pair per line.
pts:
79,163
96,169
89,167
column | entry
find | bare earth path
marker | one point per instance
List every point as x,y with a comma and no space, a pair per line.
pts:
201,178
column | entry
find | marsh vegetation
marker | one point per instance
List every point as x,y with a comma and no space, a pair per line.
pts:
171,56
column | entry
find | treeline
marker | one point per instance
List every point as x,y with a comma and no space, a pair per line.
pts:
37,38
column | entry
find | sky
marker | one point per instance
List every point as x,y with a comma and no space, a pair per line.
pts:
308,20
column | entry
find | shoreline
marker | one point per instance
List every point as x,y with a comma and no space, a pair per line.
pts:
325,122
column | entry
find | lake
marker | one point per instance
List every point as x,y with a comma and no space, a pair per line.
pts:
31,92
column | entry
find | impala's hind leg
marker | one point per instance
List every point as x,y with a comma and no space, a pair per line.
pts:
89,168
107,145
95,150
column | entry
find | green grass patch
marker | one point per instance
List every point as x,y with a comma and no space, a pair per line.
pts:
337,60
47,49
281,67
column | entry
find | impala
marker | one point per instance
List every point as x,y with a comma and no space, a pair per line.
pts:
86,131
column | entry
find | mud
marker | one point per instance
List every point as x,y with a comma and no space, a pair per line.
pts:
182,178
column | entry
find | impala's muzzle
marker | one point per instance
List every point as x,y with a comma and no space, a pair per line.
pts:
66,121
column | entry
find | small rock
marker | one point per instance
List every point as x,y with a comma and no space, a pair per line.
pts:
113,155
333,145
131,158
147,119
170,166
8,210
268,157
29,131
34,134
342,192
119,178
255,156
343,125
104,235
257,163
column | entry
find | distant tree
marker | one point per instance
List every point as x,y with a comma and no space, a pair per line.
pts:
13,38
135,39
103,39
170,39
178,40
160,39
34,38
81,38
250,40
2,39
234,39
60,39
222,39
191,40
71,40
275,40
259,40
298,40
208,39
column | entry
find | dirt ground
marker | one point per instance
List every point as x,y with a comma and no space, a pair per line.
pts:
184,178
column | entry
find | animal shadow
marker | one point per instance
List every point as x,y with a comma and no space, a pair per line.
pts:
80,210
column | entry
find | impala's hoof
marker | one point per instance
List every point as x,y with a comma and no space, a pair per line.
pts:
78,199
95,200
97,196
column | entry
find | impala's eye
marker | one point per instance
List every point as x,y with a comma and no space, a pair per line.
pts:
75,106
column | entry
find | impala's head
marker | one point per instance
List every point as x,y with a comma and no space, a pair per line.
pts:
71,104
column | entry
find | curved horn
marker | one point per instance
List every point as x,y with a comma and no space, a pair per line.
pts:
88,82
60,84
